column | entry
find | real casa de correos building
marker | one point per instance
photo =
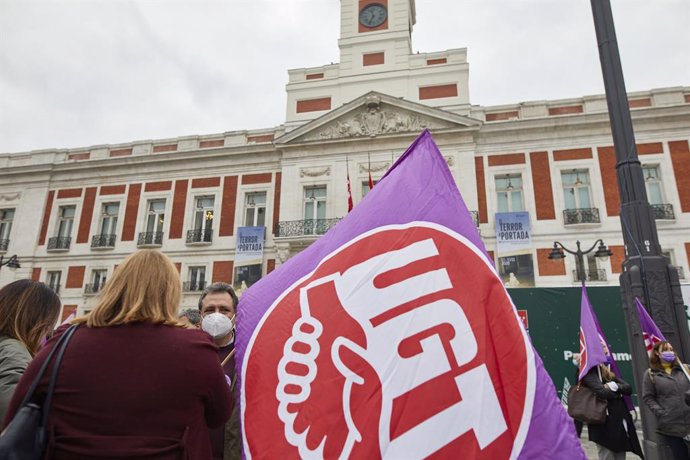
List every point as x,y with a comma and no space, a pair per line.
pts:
233,206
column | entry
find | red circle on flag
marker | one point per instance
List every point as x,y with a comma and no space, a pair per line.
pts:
404,340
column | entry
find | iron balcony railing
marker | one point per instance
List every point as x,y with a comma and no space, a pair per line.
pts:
150,239
581,216
59,243
103,241
305,227
193,286
592,275
93,288
4,244
200,235
663,211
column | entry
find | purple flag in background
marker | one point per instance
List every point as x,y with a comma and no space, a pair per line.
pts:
392,336
650,331
591,333
592,342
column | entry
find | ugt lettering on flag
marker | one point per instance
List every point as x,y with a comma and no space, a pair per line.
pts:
392,336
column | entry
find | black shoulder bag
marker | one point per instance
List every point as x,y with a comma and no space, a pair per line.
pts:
26,435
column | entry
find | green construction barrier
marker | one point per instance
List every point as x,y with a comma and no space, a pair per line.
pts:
553,322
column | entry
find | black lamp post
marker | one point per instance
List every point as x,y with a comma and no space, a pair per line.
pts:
557,253
647,274
11,262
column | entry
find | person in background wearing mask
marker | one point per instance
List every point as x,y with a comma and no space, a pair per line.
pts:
217,305
666,389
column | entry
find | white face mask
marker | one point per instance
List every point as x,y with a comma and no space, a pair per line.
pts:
217,325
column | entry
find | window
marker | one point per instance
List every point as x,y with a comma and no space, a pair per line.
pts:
245,276
6,218
98,278
197,279
576,189
509,193
65,221
155,216
315,210
365,187
652,182
255,210
315,202
53,280
109,214
62,240
202,220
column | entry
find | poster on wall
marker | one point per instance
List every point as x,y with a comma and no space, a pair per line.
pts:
245,276
513,233
250,245
514,249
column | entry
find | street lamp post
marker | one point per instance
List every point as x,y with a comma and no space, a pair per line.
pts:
647,274
11,262
557,253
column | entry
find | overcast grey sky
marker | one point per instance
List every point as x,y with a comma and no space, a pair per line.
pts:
76,73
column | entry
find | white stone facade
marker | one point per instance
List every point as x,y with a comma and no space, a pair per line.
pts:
375,112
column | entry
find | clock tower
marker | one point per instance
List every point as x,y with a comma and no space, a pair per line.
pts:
376,55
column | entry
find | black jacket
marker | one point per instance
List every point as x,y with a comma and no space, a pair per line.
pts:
665,396
612,434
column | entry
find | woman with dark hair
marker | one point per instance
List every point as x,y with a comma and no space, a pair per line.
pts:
665,391
28,312
122,391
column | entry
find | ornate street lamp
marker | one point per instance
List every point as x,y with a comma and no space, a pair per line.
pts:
557,253
11,262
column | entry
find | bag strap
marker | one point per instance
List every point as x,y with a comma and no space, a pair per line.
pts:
53,376
32,389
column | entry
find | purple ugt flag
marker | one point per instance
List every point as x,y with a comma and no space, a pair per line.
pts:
392,336
650,331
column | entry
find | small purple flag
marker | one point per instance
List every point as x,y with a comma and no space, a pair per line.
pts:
392,336
590,334
650,331
592,342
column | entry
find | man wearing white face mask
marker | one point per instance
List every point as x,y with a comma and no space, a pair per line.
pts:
217,306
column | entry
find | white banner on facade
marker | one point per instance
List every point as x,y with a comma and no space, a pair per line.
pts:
250,245
513,233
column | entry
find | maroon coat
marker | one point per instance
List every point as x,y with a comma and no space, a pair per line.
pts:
138,390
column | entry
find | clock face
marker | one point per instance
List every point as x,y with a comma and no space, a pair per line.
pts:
373,15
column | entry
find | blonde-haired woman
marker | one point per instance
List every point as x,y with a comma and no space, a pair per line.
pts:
28,313
133,382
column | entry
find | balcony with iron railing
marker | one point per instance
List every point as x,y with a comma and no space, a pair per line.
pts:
592,275
59,243
200,236
150,239
581,216
193,286
4,244
93,288
663,211
105,241
307,227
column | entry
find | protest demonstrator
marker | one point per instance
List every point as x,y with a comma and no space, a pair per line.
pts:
616,434
393,336
28,312
133,383
218,306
